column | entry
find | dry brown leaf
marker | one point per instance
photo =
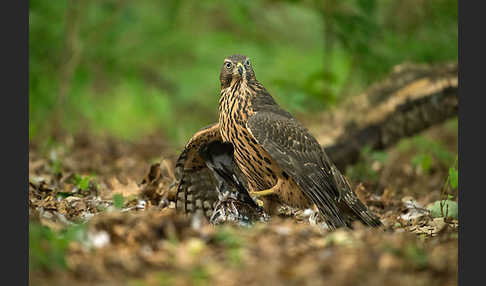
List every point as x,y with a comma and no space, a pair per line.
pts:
125,190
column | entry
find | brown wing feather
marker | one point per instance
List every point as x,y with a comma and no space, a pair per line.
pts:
196,185
299,154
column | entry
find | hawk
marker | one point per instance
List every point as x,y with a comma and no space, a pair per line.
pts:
277,157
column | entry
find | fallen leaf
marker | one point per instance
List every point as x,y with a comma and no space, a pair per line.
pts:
127,190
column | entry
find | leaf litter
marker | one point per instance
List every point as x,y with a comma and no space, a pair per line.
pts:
132,235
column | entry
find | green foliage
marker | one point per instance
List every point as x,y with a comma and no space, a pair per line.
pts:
233,244
47,248
429,153
416,254
82,182
118,201
55,163
200,276
56,166
363,171
445,208
413,252
129,68
165,278
227,238
453,177
422,160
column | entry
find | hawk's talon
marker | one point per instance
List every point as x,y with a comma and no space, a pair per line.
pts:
259,203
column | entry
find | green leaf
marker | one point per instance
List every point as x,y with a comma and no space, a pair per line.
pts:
423,160
453,178
47,248
448,206
82,182
379,156
416,255
118,201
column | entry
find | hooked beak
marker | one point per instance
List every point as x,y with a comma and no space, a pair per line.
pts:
240,69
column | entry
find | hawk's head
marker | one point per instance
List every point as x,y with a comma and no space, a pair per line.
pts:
236,68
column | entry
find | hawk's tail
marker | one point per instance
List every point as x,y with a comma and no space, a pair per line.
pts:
350,204
195,185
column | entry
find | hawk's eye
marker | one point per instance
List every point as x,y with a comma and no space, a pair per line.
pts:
227,65
247,63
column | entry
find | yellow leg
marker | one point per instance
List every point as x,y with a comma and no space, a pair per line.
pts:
267,192
262,193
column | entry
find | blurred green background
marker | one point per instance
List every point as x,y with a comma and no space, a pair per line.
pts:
132,68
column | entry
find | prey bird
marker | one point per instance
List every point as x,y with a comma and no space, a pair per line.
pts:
235,204
277,156
210,183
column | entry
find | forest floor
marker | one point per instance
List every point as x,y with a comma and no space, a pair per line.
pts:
93,222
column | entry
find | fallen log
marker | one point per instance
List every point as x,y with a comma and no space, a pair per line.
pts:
411,99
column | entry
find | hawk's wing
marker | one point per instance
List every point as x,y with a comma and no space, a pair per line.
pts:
196,185
299,154
206,169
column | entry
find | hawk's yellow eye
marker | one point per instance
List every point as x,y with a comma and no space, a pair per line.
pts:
227,65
